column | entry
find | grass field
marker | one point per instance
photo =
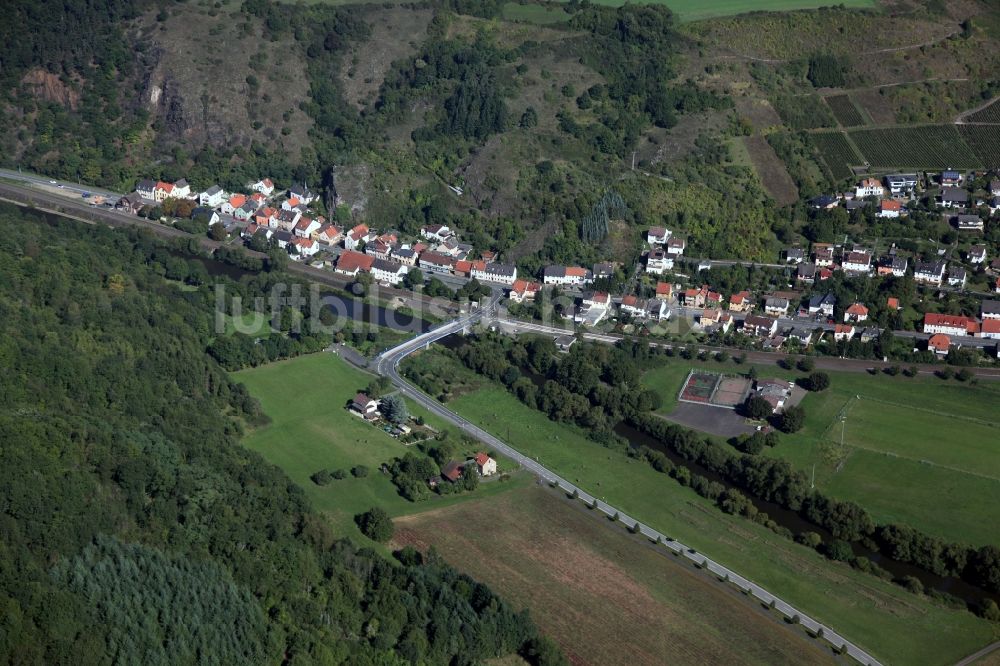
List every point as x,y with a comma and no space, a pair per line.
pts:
926,146
311,430
249,324
605,596
931,460
838,153
895,625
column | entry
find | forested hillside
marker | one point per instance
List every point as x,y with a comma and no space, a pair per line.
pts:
135,528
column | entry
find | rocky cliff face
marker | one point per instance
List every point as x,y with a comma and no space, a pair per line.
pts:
209,79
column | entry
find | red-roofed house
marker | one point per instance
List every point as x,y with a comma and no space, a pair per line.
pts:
990,329
843,332
856,313
939,344
953,325
741,302
485,465
358,235
664,290
632,306
162,191
351,262
890,208
306,247
264,186
892,303
523,290
235,202
328,234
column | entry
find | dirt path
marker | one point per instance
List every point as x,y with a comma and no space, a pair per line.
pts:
960,119
907,47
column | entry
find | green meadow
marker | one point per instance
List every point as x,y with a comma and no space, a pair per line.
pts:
311,430
893,624
920,451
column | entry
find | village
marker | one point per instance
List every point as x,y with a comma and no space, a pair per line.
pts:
795,317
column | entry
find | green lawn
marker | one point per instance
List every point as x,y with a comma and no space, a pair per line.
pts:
251,323
895,625
921,451
311,430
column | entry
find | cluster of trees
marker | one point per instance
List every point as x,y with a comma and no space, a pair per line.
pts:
375,524
128,433
593,386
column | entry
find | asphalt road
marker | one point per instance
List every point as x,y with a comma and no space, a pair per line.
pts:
387,364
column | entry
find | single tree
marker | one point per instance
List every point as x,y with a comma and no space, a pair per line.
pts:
393,407
375,524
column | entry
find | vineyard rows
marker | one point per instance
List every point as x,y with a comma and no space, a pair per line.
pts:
984,141
846,113
991,114
927,147
837,152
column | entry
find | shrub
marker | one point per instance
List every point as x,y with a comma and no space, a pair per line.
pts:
375,524
792,419
339,474
818,381
320,478
359,471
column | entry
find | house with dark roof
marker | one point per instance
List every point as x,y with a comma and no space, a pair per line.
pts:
364,405
954,197
452,471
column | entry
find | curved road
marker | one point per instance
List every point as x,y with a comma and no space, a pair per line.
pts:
387,364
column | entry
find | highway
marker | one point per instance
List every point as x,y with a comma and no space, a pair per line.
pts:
387,364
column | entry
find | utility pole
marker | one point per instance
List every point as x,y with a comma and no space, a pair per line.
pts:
633,160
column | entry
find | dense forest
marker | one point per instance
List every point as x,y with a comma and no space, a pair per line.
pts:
135,527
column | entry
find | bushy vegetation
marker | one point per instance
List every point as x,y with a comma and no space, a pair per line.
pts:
136,529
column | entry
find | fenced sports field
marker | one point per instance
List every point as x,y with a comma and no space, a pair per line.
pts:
711,388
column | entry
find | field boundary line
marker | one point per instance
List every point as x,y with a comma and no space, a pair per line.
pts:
919,461
934,412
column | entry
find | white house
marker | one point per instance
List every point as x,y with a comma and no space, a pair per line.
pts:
234,202
658,236
384,270
306,247
329,234
485,465
901,183
890,208
212,197
969,223
499,273
181,190
953,197
658,261
856,313
146,188
857,262
776,307
953,325
265,186
436,263
957,277
990,309
676,246
822,304
524,290
302,193
929,272
869,187
364,405
566,275
843,332
358,235
632,306
306,227
977,254
436,232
